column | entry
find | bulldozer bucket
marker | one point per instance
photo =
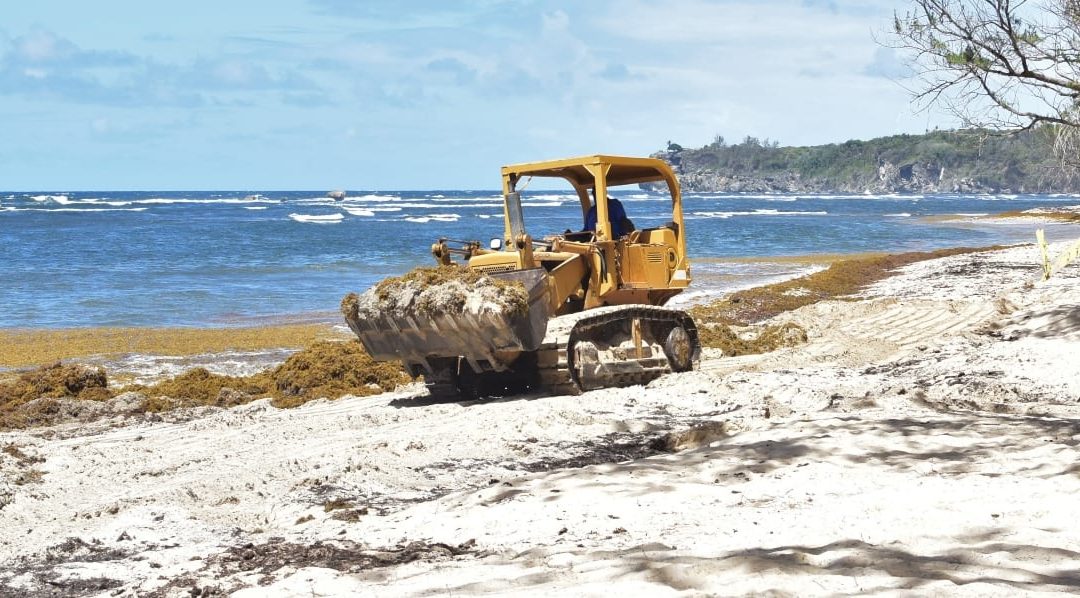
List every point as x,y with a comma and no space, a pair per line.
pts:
494,339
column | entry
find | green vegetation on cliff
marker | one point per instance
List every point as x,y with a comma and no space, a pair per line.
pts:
940,161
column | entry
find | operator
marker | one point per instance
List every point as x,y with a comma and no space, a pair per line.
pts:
620,224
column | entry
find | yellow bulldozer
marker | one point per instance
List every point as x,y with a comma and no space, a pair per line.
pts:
594,316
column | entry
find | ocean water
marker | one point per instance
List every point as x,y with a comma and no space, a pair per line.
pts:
72,259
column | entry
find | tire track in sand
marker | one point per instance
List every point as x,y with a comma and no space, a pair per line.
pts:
866,332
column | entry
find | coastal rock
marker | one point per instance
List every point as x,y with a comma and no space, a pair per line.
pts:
890,179
970,162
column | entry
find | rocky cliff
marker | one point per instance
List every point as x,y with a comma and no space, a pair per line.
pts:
938,162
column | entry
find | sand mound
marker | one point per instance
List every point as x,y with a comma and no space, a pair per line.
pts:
432,291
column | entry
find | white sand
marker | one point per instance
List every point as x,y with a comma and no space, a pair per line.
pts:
924,441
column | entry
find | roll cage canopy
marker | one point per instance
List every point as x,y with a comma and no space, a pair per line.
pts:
584,171
599,172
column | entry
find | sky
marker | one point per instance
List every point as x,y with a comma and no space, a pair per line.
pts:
423,94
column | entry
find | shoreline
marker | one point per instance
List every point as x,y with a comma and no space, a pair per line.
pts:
24,348
132,350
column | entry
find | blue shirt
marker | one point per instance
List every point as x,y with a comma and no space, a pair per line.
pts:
616,213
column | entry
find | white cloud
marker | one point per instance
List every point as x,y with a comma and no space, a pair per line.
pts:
464,87
729,23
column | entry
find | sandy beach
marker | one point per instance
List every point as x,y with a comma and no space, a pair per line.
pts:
924,441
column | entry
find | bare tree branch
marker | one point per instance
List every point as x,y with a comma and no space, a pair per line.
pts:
998,64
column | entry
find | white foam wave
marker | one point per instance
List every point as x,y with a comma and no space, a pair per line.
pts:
442,206
360,211
760,212
865,195
436,206
96,201
433,218
255,207
541,204
375,197
86,209
224,200
318,218
899,215
551,196
60,199
640,197
761,196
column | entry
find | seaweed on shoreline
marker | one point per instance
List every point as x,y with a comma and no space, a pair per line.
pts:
25,348
326,369
1056,215
53,382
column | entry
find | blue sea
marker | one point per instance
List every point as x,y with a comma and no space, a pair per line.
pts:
163,258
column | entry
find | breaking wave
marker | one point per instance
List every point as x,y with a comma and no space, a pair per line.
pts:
222,200
761,212
318,218
434,218
60,199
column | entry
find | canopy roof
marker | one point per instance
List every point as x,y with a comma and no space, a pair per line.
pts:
622,170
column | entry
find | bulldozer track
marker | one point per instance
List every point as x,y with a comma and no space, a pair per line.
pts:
880,330
556,361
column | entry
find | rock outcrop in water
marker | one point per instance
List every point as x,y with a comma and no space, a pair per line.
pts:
937,162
